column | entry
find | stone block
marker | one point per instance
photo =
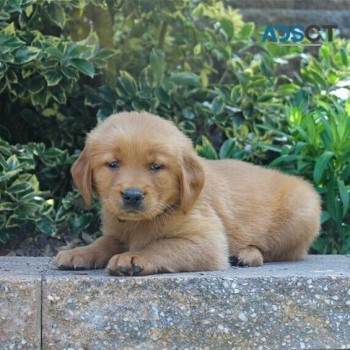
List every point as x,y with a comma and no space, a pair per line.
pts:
301,305
20,302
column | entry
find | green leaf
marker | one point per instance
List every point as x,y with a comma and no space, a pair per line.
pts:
227,149
218,105
157,64
270,147
197,49
56,13
76,223
25,54
54,52
40,98
344,56
107,94
52,77
7,206
70,73
36,84
83,66
14,221
104,54
12,162
324,217
286,159
79,51
15,5
227,25
2,225
206,149
3,163
127,82
48,112
20,188
344,195
46,225
332,203
247,30
185,79
27,209
104,112
58,94
321,164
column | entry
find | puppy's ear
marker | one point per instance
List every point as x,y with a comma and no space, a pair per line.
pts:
82,176
191,181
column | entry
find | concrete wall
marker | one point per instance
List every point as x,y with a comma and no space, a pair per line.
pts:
297,305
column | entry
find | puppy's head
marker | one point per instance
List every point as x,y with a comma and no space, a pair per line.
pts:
139,165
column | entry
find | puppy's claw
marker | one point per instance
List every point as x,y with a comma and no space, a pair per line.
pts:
136,270
114,272
234,261
67,267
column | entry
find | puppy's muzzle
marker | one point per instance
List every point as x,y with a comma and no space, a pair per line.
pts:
132,198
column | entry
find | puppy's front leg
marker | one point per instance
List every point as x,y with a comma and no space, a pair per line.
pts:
172,255
94,256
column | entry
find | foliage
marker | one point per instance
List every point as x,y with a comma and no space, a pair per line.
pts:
314,142
24,208
318,148
66,65
41,73
22,204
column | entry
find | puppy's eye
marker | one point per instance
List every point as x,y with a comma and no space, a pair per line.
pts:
155,167
113,165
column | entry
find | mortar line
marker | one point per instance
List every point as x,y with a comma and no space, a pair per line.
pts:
41,310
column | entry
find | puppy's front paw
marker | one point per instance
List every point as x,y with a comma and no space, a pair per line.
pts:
129,264
250,256
80,259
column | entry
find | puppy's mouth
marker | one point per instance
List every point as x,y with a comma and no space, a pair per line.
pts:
131,214
132,211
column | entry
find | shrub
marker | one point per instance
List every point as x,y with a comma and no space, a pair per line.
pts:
196,63
314,141
25,210
22,205
318,147
42,73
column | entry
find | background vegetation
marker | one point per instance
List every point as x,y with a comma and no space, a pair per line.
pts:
66,65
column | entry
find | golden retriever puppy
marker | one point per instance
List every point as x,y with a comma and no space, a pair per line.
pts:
165,209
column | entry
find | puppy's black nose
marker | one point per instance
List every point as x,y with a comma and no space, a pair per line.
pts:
132,197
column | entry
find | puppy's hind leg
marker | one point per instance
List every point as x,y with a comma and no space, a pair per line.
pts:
250,256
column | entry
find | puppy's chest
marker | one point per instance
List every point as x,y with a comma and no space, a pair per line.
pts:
136,238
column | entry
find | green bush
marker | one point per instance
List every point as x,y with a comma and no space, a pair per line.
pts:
64,66
25,210
318,147
22,204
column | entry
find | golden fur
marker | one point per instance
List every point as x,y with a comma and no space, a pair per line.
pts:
196,212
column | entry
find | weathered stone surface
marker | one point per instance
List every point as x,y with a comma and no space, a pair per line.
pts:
277,306
20,302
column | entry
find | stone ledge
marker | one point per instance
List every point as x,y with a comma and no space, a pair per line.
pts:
301,305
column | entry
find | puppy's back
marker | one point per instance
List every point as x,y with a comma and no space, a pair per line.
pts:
278,213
